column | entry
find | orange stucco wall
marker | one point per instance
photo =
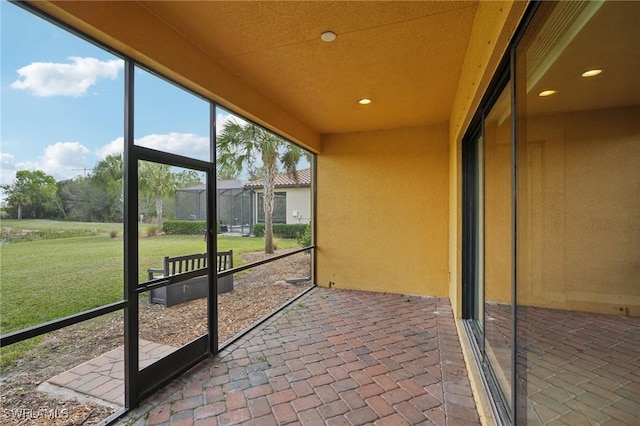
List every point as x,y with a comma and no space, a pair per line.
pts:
389,202
382,211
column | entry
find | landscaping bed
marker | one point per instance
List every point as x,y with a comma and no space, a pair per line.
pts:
256,293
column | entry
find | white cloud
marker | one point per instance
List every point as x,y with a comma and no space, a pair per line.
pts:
116,146
72,79
223,118
187,144
62,160
61,157
7,168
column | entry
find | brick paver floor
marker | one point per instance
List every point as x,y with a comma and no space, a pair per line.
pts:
579,368
574,368
102,379
333,357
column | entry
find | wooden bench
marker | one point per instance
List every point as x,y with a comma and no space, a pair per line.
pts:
193,288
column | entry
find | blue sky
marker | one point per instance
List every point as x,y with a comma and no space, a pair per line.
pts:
62,103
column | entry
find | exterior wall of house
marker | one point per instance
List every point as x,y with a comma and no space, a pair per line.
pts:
382,203
298,199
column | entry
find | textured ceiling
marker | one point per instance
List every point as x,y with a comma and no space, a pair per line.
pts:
406,56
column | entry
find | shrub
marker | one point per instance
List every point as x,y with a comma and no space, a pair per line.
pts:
113,234
304,238
281,230
258,229
18,235
185,226
152,230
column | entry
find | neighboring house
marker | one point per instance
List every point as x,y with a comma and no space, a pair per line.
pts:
239,204
292,202
191,203
233,204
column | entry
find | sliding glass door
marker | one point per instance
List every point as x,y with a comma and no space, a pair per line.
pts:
551,222
578,215
488,248
498,257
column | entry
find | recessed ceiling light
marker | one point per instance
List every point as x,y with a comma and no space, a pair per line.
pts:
591,73
545,93
364,101
328,36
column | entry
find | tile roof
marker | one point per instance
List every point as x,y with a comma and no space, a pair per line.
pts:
221,184
286,179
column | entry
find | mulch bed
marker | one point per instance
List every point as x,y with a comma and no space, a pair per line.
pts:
256,293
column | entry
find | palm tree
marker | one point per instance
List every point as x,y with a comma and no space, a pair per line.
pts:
240,145
18,199
109,174
157,180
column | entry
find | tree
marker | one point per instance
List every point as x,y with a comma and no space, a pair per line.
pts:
158,181
58,200
16,197
185,178
31,191
240,145
108,175
84,200
255,173
224,173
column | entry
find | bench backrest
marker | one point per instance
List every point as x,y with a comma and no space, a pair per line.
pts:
191,262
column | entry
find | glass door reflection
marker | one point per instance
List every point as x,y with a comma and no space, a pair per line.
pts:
497,240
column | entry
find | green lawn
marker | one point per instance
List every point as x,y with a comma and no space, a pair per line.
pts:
50,279
44,224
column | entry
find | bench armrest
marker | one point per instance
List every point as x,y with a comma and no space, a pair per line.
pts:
152,271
